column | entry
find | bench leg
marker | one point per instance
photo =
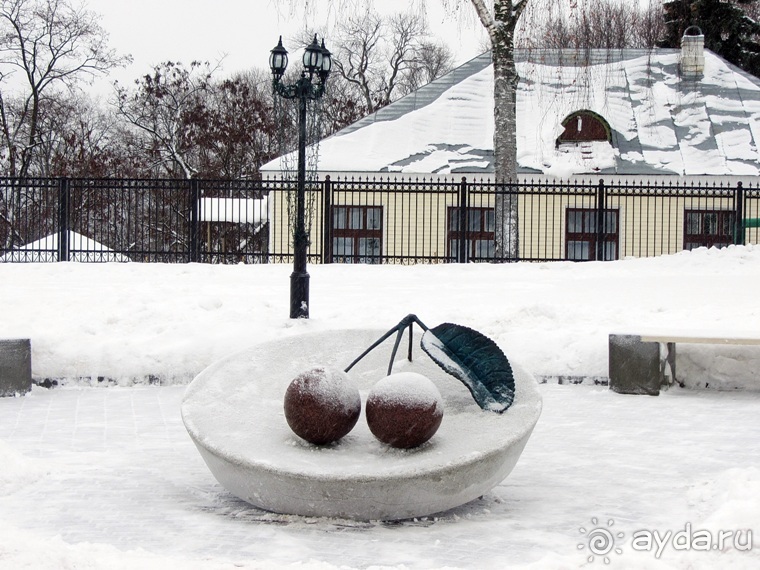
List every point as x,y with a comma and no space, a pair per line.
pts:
634,366
15,367
668,363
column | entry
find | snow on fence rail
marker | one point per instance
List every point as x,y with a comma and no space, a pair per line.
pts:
366,220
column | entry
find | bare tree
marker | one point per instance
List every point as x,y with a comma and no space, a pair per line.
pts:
434,59
44,45
190,124
358,39
166,107
341,105
384,58
608,24
83,139
651,26
237,129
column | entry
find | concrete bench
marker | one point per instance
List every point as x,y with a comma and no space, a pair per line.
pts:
15,366
643,364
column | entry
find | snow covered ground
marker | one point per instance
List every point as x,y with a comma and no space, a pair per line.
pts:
100,477
168,322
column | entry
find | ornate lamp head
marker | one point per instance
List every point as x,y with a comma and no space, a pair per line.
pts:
312,57
326,68
278,60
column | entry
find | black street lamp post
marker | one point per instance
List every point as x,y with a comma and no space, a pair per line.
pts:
316,60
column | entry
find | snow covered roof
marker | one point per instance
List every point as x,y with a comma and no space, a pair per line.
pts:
660,122
81,248
234,210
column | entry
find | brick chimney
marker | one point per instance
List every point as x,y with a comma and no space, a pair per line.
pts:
692,53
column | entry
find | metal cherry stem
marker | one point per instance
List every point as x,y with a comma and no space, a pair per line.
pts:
407,321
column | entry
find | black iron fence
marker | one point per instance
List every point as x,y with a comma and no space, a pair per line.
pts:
367,220
132,220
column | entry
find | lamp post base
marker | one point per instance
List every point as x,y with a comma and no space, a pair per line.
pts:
299,295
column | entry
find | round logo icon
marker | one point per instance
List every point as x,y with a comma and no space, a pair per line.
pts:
600,540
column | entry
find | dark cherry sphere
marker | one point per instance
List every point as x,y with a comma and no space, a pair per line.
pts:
404,410
322,405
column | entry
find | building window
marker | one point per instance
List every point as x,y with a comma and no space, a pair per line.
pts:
708,228
357,234
480,233
581,235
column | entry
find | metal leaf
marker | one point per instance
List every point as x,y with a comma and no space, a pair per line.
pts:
474,359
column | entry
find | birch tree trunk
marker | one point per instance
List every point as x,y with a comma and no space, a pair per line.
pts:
500,24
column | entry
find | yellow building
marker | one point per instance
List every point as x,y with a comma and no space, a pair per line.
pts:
621,153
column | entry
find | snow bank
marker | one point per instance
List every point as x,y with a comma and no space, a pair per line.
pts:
729,500
126,323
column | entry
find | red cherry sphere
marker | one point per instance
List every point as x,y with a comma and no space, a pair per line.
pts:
322,405
404,410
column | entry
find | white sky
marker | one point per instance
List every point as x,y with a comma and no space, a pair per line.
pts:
241,32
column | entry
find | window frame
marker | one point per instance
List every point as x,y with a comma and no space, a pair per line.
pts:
485,233
588,234
349,222
723,217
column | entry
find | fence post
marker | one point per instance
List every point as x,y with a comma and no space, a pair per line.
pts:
195,198
463,249
601,202
739,232
327,253
63,219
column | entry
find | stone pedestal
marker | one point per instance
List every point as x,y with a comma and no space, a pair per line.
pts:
234,413
15,366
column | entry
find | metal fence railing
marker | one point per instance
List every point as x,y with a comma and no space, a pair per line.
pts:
366,220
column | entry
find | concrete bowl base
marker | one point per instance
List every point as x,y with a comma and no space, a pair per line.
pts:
233,411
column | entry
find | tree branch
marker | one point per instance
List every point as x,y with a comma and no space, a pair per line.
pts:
518,8
486,18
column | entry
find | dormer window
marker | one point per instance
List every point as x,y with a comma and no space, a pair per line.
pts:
585,144
585,126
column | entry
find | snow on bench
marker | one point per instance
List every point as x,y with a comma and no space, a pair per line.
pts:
644,363
692,339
